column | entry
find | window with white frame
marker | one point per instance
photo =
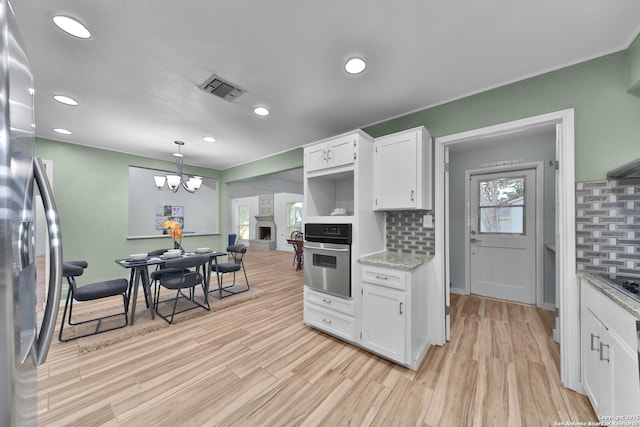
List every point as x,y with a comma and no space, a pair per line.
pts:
243,223
294,217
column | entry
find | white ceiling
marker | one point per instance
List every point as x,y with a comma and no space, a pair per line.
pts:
137,78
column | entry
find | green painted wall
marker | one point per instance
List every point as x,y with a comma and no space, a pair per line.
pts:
277,163
90,188
633,78
607,118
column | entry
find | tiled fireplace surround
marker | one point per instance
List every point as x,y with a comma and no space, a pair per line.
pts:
608,227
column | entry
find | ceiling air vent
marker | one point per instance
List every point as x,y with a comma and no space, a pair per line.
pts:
225,90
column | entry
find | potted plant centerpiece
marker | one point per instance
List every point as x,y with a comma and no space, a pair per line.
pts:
174,231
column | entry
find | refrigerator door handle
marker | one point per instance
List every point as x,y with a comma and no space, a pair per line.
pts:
25,237
43,341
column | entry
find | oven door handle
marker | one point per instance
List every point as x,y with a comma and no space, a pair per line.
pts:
318,248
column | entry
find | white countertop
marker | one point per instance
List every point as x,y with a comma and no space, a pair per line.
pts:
627,303
397,260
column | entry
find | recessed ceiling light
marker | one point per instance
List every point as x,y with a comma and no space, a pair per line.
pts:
261,111
209,139
355,65
67,100
71,26
62,131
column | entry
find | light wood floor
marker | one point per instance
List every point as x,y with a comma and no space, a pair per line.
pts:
258,364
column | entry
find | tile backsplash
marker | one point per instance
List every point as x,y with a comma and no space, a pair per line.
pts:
608,226
406,233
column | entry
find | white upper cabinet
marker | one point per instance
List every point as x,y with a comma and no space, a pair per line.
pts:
402,170
338,173
339,151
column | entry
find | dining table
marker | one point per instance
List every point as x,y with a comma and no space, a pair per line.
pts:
140,275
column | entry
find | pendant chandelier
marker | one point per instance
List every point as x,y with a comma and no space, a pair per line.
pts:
174,181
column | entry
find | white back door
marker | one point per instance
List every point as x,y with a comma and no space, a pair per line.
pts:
502,235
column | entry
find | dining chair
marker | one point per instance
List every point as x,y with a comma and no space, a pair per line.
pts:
297,241
157,252
90,292
179,275
235,263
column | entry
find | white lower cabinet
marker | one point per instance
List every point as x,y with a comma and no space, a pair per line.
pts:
384,321
592,368
609,358
394,314
388,317
329,313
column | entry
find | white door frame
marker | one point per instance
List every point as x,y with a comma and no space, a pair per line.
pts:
567,283
539,207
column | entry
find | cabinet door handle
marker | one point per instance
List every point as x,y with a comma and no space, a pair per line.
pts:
401,308
601,352
328,154
324,155
412,192
592,347
326,301
381,277
326,321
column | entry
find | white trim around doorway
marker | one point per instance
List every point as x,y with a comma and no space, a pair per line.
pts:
568,303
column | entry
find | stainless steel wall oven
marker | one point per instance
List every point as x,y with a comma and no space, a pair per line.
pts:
327,255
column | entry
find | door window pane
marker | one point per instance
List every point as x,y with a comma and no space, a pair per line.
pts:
508,219
501,207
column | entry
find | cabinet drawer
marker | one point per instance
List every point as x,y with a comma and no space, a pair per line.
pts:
330,321
329,301
614,317
384,277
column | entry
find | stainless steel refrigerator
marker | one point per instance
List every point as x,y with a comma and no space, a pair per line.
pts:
24,339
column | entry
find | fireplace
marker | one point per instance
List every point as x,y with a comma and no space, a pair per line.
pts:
265,233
